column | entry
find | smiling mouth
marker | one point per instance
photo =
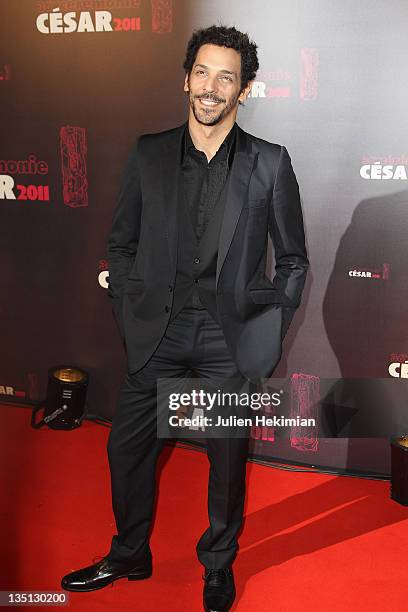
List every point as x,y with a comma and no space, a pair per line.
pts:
208,103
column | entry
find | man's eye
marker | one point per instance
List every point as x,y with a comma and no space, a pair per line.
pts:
199,71
227,78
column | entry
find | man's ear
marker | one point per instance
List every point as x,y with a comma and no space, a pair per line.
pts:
245,92
186,87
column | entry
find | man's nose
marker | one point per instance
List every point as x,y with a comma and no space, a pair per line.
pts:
211,84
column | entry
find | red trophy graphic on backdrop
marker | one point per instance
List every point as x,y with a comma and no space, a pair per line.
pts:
305,397
162,16
309,62
73,165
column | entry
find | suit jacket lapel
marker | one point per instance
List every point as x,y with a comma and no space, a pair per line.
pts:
241,171
169,179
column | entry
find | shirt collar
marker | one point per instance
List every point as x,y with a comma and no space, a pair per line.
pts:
228,144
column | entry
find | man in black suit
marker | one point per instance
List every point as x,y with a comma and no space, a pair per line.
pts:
187,256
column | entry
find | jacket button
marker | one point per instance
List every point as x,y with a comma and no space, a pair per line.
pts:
170,288
166,308
197,260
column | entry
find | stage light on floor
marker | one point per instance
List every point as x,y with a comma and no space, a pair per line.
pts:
399,469
64,406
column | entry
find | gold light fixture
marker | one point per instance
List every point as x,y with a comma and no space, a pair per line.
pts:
69,374
64,406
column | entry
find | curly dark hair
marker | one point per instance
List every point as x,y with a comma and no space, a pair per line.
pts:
225,37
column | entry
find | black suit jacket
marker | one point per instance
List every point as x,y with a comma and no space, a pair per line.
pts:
262,197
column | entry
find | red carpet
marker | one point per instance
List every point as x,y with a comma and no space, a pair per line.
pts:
310,542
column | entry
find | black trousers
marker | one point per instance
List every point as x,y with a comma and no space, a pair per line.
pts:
193,345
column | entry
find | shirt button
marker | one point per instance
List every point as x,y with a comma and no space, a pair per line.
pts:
197,260
166,308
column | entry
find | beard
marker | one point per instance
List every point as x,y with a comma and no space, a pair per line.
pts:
211,116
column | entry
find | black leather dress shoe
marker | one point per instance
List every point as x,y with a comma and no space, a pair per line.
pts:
104,572
219,590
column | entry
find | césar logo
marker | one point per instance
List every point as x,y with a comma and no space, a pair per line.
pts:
398,369
383,172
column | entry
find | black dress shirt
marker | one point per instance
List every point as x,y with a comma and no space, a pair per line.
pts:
203,180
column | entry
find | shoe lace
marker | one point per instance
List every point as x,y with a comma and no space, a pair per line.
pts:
101,561
216,577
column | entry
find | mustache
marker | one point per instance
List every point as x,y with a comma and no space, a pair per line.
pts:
210,98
